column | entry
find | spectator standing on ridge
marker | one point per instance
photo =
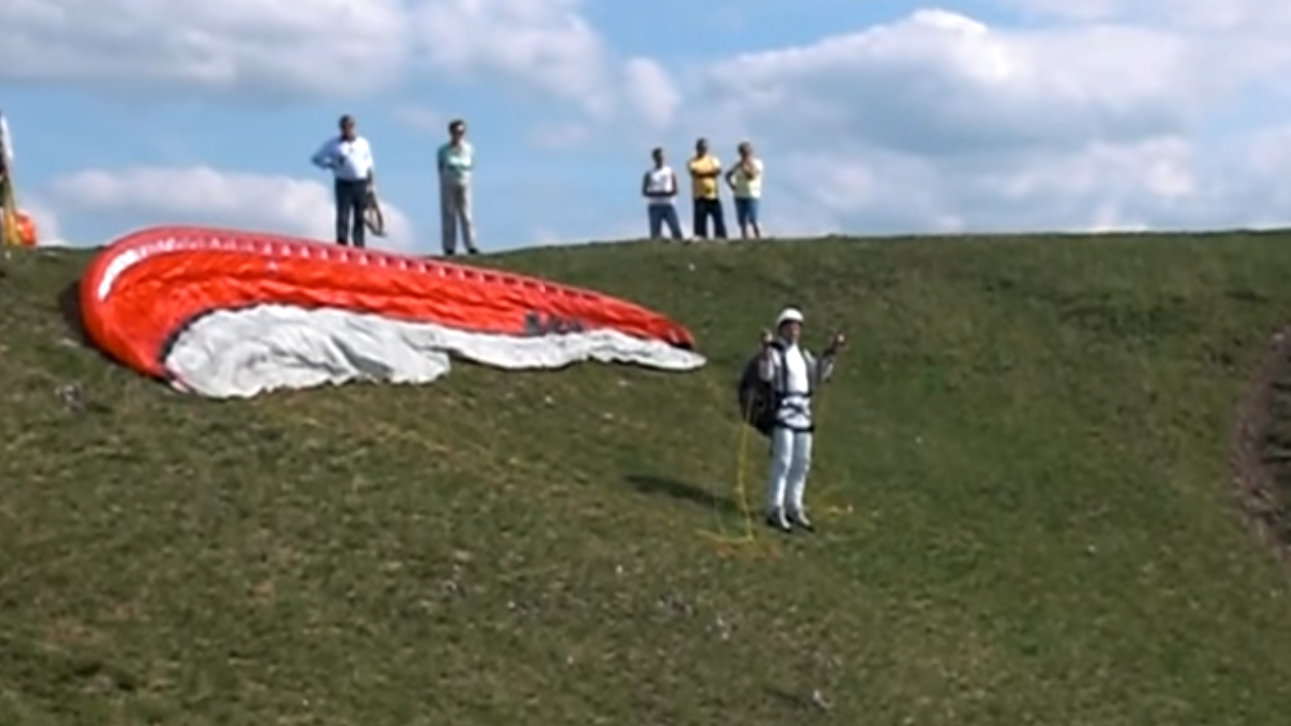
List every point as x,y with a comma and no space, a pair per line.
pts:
705,170
349,156
659,185
745,180
456,161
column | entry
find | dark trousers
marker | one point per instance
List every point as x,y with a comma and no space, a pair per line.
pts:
705,208
661,214
351,206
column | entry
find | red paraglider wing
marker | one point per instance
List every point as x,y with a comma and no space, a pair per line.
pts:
145,288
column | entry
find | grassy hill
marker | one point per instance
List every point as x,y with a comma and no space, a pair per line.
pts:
1023,485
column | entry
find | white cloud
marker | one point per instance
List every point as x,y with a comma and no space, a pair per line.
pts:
651,96
286,50
542,44
1239,42
939,83
941,123
561,136
545,47
337,48
425,120
1160,183
1213,16
200,195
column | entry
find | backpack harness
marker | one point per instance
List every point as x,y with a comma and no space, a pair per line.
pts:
760,401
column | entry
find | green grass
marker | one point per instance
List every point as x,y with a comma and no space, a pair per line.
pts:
1031,436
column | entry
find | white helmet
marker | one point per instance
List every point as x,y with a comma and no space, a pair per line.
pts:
788,315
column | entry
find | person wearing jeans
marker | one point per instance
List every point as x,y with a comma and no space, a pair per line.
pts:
745,180
659,186
705,170
349,157
456,162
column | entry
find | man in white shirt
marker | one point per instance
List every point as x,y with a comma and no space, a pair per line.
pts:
349,156
745,180
659,186
456,163
794,373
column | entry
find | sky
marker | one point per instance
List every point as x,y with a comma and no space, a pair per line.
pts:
871,117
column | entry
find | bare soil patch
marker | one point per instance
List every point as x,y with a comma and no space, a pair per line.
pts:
1261,447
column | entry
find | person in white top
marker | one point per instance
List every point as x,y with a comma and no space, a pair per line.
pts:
659,186
794,373
349,157
745,180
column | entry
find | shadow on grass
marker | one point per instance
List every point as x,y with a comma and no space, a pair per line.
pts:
787,699
679,490
69,306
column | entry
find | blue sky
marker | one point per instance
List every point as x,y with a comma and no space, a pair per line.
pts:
871,117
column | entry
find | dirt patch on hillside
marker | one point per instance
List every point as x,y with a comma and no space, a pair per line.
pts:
1261,447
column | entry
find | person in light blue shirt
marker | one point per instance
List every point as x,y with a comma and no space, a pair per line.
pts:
456,162
349,157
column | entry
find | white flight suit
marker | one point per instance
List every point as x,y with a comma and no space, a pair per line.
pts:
791,438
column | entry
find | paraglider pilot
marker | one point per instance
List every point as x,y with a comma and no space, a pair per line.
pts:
793,373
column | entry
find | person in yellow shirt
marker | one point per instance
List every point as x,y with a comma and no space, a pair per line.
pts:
705,177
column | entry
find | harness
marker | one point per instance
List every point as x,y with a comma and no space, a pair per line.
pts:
782,402
373,218
763,404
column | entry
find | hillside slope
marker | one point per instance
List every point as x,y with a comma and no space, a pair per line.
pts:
1026,514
